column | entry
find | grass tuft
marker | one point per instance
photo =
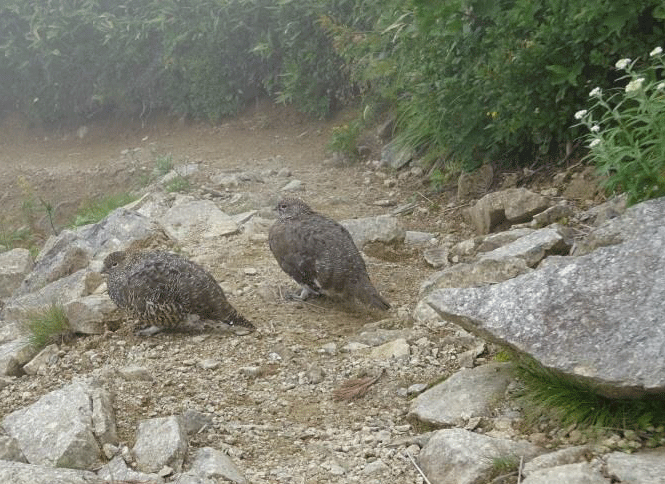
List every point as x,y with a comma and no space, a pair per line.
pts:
92,211
163,164
47,326
178,184
549,393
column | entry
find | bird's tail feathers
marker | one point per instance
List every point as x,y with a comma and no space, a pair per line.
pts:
236,319
370,296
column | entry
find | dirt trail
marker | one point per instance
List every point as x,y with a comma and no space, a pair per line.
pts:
270,396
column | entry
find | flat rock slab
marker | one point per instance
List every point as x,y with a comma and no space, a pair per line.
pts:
458,456
196,220
641,468
58,429
19,473
598,317
532,248
468,393
582,473
383,228
480,273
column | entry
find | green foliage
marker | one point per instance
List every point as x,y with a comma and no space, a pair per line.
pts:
13,238
504,356
178,184
47,326
480,79
627,130
204,58
504,465
549,393
344,139
163,164
92,211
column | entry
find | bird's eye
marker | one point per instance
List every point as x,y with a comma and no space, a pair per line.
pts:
115,264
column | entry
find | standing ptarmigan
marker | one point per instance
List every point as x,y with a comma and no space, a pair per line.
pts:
320,254
164,289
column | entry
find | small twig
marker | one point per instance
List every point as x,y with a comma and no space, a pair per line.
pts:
519,470
430,201
456,207
313,305
413,461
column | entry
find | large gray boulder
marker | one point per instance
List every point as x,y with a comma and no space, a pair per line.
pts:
598,317
63,428
19,473
160,442
510,206
14,266
72,250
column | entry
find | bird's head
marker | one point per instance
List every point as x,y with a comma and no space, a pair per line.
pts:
289,208
113,260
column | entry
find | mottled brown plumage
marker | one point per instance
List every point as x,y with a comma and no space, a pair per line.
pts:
320,254
165,289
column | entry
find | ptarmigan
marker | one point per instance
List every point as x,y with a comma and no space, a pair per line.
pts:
320,254
165,289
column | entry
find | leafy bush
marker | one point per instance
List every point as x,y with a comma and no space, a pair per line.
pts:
204,58
344,139
498,80
627,139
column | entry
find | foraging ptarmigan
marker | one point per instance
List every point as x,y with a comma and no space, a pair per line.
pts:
164,289
320,254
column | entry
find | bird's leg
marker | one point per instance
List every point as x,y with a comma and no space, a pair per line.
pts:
149,331
305,292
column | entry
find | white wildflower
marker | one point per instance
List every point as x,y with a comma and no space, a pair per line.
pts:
595,128
660,86
594,143
622,63
635,84
581,113
595,92
657,51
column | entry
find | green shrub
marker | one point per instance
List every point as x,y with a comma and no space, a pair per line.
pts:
47,326
496,80
92,211
627,129
344,139
204,58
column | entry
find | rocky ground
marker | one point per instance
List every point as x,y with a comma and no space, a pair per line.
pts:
268,398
